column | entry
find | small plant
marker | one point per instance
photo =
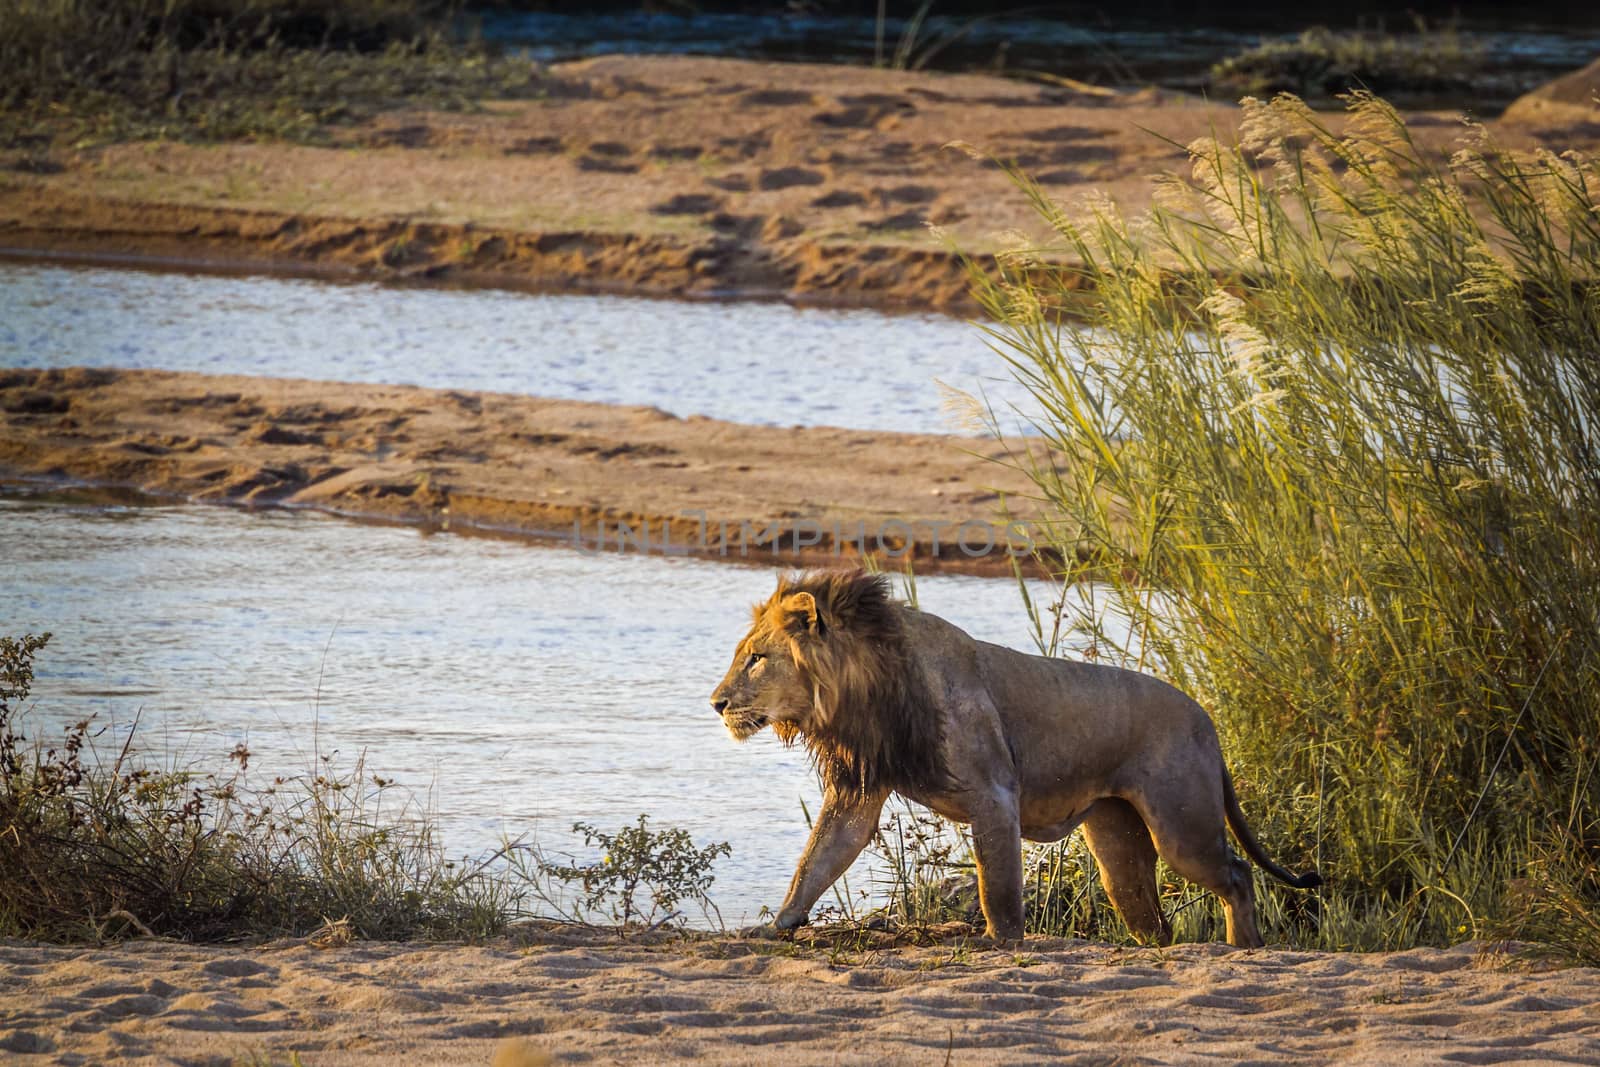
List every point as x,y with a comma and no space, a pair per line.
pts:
1321,64
642,874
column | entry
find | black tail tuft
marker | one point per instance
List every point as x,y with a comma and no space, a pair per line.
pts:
1309,880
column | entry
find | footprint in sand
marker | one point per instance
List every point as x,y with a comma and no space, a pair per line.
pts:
839,198
776,98
1057,134
732,183
25,1042
906,194
607,166
237,967
688,204
905,220
676,151
789,177
535,146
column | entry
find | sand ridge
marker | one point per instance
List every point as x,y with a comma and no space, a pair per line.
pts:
594,999
520,465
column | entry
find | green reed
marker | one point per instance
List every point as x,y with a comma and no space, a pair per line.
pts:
1327,432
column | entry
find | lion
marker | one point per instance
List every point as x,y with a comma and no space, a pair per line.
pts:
891,699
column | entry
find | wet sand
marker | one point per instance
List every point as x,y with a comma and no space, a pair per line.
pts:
609,476
589,998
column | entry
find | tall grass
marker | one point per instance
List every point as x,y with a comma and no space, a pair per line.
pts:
1329,437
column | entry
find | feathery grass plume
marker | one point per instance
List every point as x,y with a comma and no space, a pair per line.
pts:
1330,437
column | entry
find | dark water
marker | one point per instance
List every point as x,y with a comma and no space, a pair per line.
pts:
516,689
749,362
1523,46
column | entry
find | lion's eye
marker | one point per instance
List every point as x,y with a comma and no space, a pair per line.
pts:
755,658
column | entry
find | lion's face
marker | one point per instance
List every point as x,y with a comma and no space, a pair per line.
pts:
764,685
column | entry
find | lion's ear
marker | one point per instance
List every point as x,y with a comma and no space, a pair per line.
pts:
800,613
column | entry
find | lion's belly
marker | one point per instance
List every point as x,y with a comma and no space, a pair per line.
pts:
1052,818
1042,818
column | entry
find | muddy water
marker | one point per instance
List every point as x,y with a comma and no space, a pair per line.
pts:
748,362
518,689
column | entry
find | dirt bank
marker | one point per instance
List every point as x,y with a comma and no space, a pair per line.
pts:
647,174
596,1000
619,478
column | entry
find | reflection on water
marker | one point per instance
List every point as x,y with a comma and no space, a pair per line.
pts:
529,687
762,363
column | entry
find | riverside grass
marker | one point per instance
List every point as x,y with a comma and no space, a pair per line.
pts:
1326,434
88,72
97,848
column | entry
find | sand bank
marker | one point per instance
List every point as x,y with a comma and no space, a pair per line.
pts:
613,477
670,175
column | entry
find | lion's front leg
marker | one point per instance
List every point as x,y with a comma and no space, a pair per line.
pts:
843,827
997,845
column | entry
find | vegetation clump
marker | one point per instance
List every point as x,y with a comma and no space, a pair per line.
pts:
1322,63
642,875
1330,442
89,71
92,850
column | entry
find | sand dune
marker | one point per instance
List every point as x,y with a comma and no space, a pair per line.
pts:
594,999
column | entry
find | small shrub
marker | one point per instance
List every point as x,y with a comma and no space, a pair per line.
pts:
1322,63
642,874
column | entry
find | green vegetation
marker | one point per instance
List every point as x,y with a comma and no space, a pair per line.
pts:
663,866
105,70
1322,63
1331,442
95,850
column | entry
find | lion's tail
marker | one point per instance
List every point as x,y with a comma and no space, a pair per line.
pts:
1241,830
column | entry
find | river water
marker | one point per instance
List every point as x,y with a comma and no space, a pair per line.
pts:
749,362
516,688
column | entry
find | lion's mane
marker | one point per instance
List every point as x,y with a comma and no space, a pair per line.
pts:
874,726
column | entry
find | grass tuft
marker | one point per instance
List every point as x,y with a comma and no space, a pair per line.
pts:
86,72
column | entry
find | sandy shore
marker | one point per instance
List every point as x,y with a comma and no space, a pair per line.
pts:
646,174
609,476
592,999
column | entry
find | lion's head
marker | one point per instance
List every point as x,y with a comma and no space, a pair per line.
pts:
825,660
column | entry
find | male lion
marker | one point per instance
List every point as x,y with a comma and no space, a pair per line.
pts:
891,699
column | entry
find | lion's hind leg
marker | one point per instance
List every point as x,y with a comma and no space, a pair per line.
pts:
1126,856
1192,837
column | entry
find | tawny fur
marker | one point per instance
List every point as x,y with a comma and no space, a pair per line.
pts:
891,699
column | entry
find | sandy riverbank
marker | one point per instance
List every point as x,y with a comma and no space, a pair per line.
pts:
519,465
668,175
592,999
